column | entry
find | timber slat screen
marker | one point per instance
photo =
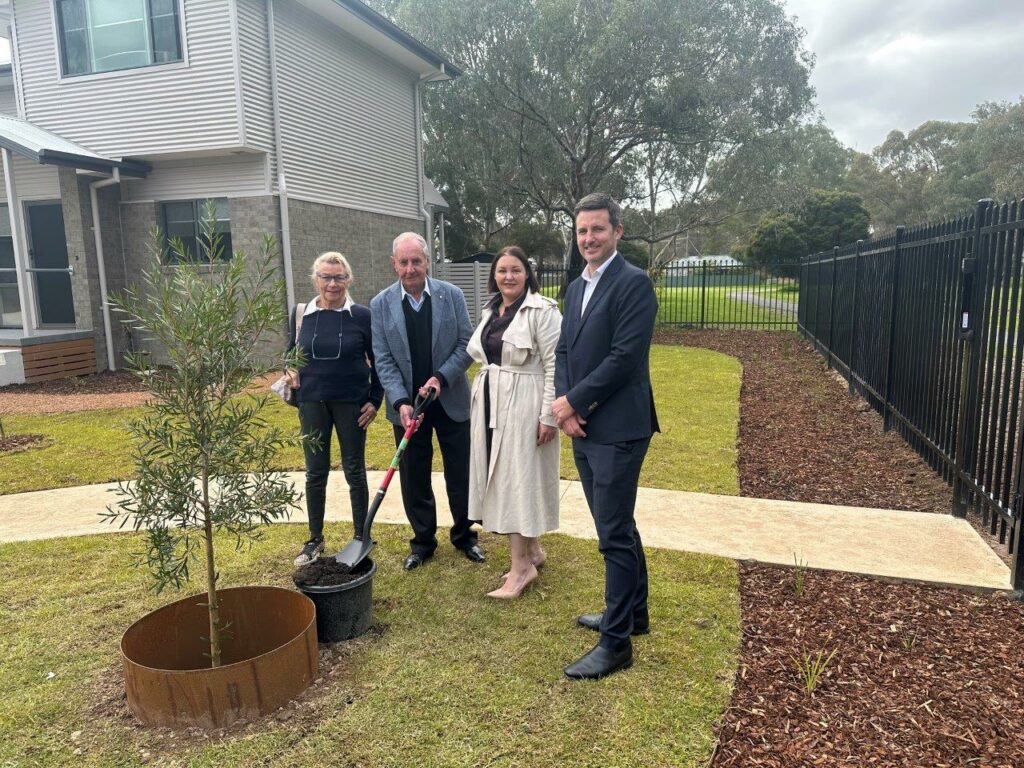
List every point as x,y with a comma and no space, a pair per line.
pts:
714,294
926,324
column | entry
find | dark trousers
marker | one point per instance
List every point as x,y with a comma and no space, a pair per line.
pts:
414,473
609,475
319,419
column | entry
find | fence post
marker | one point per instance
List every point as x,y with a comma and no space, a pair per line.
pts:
887,389
971,304
832,302
703,290
853,312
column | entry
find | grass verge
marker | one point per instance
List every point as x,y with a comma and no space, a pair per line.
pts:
696,392
448,678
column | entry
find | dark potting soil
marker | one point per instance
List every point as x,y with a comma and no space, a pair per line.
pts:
328,572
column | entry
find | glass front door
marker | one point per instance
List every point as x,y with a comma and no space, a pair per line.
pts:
48,259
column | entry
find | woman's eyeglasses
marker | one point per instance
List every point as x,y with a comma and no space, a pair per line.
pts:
333,278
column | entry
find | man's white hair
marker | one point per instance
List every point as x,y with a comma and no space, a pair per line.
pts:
418,238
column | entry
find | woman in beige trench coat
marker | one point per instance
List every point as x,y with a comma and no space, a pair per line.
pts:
513,476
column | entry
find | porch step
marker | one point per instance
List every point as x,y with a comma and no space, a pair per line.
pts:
12,367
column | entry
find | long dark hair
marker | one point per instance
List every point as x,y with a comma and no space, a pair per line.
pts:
532,283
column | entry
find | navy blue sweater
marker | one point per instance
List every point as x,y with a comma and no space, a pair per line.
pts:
338,370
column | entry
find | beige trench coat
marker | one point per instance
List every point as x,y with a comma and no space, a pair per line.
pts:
518,491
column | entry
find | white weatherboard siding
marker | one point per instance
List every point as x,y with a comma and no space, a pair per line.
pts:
8,102
229,176
257,103
348,125
33,181
175,107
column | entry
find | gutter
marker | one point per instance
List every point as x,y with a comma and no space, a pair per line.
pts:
100,262
282,184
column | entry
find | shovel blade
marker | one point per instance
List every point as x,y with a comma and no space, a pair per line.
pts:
355,552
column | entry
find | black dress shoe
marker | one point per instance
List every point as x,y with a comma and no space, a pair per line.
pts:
414,561
593,621
474,553
599,662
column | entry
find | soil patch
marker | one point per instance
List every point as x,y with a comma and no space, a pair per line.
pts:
302,715
16,443
922,676
328,572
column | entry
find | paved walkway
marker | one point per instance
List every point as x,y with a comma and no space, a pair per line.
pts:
753,297
905,545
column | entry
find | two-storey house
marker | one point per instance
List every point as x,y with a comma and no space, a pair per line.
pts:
300,118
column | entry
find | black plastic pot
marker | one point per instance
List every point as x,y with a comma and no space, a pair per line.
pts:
345,610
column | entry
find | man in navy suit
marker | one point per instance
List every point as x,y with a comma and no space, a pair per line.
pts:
604,402
420,329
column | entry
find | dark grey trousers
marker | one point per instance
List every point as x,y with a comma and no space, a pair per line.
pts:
321,418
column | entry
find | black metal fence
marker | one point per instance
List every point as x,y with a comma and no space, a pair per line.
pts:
712,294
926,324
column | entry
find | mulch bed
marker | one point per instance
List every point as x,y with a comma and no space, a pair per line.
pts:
922,676
107,383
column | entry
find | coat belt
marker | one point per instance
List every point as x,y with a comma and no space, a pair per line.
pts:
493,381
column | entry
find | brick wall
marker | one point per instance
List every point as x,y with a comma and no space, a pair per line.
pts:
364,237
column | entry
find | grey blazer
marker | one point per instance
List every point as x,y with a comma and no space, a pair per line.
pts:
451,332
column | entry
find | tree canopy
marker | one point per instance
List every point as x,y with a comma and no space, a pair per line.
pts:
655,101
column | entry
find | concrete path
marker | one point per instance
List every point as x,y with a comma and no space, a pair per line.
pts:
904,545
752,297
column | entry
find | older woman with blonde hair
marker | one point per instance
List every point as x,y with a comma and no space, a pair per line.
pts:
337,390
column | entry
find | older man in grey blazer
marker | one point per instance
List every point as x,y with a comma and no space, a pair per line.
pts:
420,330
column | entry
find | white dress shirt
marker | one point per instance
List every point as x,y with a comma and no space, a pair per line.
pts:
591,280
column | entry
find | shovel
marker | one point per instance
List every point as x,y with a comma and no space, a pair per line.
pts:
356,551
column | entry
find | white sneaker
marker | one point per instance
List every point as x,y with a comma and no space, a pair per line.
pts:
311,550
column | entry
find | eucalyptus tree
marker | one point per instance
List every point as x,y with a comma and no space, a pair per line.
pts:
565,97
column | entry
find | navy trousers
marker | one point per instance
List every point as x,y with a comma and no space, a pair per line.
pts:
609,474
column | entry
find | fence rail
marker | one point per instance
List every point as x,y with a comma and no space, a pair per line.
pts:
925,323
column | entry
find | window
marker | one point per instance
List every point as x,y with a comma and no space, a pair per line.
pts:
184,220
104,35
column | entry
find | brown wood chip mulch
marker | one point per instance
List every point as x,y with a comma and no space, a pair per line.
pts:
922,677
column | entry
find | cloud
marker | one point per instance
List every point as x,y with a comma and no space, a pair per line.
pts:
894,65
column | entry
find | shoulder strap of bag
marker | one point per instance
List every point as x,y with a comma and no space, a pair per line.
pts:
300,310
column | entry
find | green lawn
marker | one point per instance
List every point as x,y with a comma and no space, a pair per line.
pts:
716,306
696,392
448,678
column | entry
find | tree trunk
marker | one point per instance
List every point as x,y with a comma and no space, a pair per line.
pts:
211,576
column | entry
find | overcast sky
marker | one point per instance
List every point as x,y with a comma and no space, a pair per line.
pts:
887,64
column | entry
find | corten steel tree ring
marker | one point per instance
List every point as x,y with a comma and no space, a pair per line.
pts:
269,657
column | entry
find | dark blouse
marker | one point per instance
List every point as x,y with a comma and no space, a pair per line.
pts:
492,335
336,346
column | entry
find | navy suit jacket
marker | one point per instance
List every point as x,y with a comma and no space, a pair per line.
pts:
602,358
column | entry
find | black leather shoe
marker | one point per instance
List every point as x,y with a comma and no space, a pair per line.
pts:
474,553
593,621
599,662
414,561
